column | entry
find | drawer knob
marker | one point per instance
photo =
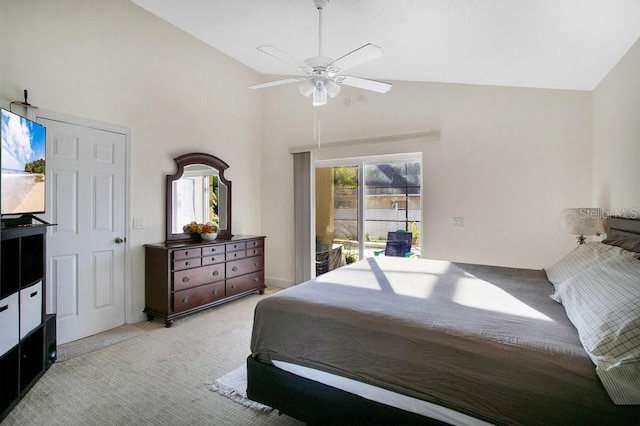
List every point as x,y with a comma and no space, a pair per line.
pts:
185,299
256,279
234,286
186,253
185,279
255,263
215,273
215,291
234,269
187,263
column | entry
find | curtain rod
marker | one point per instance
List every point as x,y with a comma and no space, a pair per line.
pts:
430,135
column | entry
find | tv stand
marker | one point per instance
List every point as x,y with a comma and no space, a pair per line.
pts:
24,220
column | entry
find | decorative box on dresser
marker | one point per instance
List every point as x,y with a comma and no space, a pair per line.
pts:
184,277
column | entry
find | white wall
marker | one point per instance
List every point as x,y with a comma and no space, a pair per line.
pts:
113,62
508,161
616,137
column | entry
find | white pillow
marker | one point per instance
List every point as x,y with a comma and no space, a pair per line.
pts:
578,260
603,303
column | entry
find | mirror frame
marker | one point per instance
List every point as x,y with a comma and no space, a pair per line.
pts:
208,160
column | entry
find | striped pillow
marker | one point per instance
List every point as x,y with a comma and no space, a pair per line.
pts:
603,303
578,260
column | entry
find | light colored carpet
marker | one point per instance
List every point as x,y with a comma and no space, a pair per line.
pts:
233,385
76,348
154,378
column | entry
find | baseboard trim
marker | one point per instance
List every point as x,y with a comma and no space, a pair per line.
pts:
276,282
135,317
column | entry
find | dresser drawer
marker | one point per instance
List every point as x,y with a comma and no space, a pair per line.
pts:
244,266
209,250
245,283
197,276
187,253
188,263
255,251
213,258
236,255
254,243
236,246
194,297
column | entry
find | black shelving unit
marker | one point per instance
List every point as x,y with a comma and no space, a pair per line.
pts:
27,348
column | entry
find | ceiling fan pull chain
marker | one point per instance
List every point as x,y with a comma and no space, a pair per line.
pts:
317,120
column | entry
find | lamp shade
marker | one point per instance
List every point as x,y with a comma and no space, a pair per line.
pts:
319,96
582,221
332,88
307,88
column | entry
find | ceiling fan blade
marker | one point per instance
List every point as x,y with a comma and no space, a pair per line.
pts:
276,82
285,57
356,57
363,83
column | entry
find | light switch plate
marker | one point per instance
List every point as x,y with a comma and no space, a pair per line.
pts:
138,223
457,222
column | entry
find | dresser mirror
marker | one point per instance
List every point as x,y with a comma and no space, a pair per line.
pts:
199,192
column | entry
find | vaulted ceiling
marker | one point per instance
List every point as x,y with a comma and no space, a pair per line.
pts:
560,44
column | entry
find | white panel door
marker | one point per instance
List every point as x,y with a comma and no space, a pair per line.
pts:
86,199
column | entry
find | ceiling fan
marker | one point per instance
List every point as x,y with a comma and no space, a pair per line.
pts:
323,76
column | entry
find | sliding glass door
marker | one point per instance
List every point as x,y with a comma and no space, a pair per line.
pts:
358,202
392,202
337,216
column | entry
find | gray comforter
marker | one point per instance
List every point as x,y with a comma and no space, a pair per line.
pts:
484,341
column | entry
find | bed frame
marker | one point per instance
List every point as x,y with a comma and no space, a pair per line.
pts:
627,225
318,404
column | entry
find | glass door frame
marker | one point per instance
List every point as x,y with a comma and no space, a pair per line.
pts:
361,163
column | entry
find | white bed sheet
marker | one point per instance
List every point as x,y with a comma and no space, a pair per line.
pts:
382,396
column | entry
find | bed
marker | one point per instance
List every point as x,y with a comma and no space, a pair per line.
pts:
411,341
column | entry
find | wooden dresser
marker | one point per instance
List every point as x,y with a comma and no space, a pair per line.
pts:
188,276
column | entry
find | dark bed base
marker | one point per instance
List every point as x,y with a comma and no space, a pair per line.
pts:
318,404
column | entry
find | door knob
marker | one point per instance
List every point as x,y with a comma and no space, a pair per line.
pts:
119,240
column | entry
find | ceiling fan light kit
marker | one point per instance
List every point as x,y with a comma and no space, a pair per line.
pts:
323,75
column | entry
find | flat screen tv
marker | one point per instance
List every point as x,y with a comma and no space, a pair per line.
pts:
23,165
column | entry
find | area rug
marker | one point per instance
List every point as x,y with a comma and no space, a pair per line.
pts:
233,385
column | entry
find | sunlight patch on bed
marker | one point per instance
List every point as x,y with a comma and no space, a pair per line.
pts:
402,282
479,294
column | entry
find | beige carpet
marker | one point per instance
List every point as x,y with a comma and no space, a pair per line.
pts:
76,348
157,377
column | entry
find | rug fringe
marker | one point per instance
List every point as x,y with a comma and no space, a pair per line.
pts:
238,397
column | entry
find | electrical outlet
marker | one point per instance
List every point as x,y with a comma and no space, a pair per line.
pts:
457,222
138,223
